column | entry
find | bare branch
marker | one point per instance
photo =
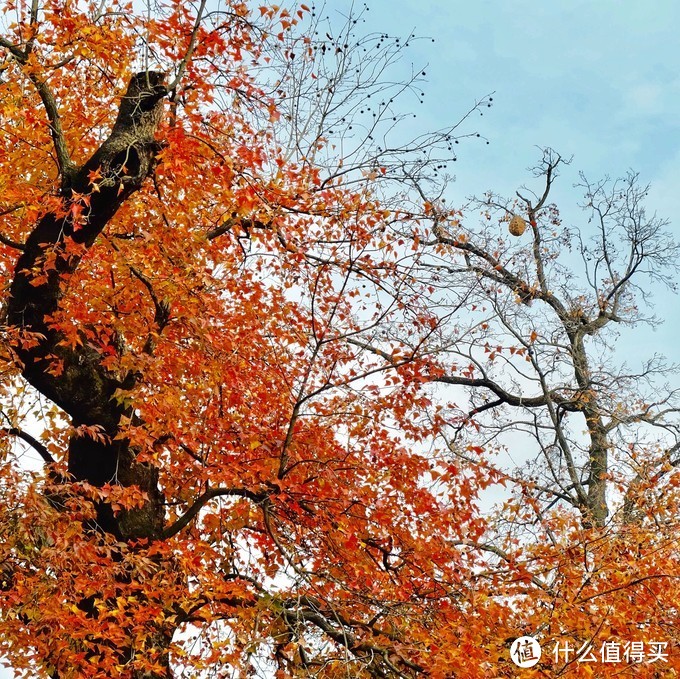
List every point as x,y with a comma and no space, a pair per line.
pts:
190,49
202,500
32,441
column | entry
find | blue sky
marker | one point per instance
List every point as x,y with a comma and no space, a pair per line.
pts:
596,79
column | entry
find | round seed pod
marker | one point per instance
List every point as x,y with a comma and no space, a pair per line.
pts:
517,226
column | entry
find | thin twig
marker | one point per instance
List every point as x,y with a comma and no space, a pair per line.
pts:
190,50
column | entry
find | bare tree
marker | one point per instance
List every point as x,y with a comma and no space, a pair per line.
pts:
536,354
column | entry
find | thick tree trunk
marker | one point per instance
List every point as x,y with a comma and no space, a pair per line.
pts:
82,387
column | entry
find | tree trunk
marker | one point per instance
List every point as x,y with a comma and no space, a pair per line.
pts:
595,514
74,378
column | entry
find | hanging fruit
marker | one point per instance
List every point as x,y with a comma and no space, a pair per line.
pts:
517,226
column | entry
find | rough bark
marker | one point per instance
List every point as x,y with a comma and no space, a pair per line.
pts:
83,388
596,511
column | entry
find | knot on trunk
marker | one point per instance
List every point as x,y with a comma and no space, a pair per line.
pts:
128,154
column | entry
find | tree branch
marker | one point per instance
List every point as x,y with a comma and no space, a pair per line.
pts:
64,162
66,166
190,50
202,500
631,583
14,50
11,243
33,442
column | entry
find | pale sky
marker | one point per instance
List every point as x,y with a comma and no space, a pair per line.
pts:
596,79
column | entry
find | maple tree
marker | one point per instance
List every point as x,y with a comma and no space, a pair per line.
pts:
221,333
